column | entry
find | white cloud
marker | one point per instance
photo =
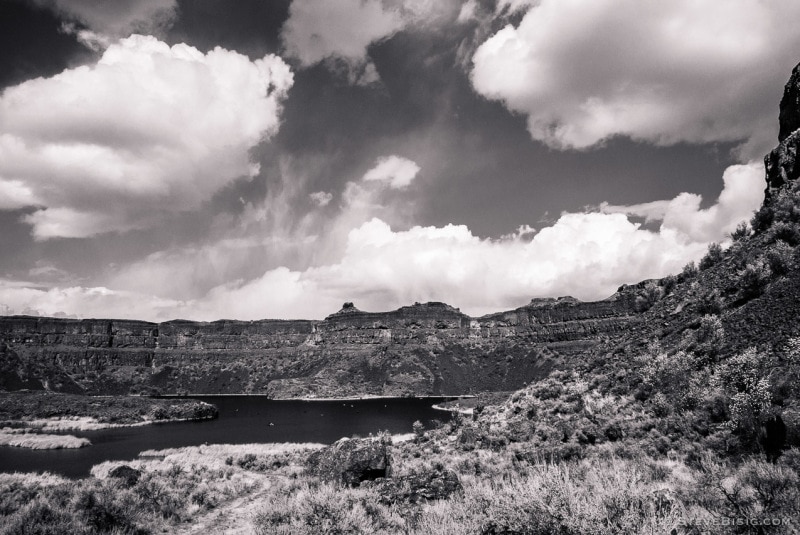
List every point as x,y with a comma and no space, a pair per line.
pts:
88,38
396,170
467,11
339,33
318,30
741,195
663,72
115,18
587,255
321,198
98,302
147,130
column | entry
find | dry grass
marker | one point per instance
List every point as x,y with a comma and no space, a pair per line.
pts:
24,438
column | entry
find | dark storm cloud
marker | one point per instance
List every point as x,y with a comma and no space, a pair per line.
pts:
32,43
98,21
250,27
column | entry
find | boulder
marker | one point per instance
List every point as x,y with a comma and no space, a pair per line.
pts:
128,476
351,461
420,486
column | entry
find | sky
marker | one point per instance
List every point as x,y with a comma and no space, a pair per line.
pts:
208,159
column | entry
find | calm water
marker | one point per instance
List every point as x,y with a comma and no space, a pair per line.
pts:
242,419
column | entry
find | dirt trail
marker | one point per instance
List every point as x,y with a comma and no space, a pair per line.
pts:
232,518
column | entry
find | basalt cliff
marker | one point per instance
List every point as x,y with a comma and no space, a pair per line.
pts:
429,348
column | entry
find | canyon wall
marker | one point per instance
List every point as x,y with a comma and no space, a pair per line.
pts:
429,348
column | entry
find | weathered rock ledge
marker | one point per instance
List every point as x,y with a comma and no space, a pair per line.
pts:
429,348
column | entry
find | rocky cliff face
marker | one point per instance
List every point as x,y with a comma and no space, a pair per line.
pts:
429,348
781,163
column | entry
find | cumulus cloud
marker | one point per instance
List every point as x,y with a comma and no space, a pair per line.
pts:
587,255
339,33
396,170
147,130
693,71
319,30
97,302
741,195
115,19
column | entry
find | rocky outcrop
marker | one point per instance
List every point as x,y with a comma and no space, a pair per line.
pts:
425,348
351,461
781,163
420,486
789,116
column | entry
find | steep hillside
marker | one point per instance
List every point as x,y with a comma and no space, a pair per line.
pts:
712,366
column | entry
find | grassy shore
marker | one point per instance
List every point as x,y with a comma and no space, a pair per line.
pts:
26,438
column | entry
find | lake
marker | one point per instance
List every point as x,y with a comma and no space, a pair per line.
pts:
242,420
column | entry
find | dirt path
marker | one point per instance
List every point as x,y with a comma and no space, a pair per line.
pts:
232,518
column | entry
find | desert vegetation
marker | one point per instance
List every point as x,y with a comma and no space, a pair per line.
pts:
28,438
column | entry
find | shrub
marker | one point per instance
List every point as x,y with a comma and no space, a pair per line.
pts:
742,231
41,518
763,218
103,513
779,258
785,232
326,509
661,405
689,271
743,378
711,303
709,337
755,489
668,283
419,430
713,256
648,296
754,278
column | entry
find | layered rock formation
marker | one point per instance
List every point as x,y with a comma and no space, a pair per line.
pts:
781,163
429,348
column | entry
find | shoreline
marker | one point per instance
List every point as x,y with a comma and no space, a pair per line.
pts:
89,423
466,411
366,397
